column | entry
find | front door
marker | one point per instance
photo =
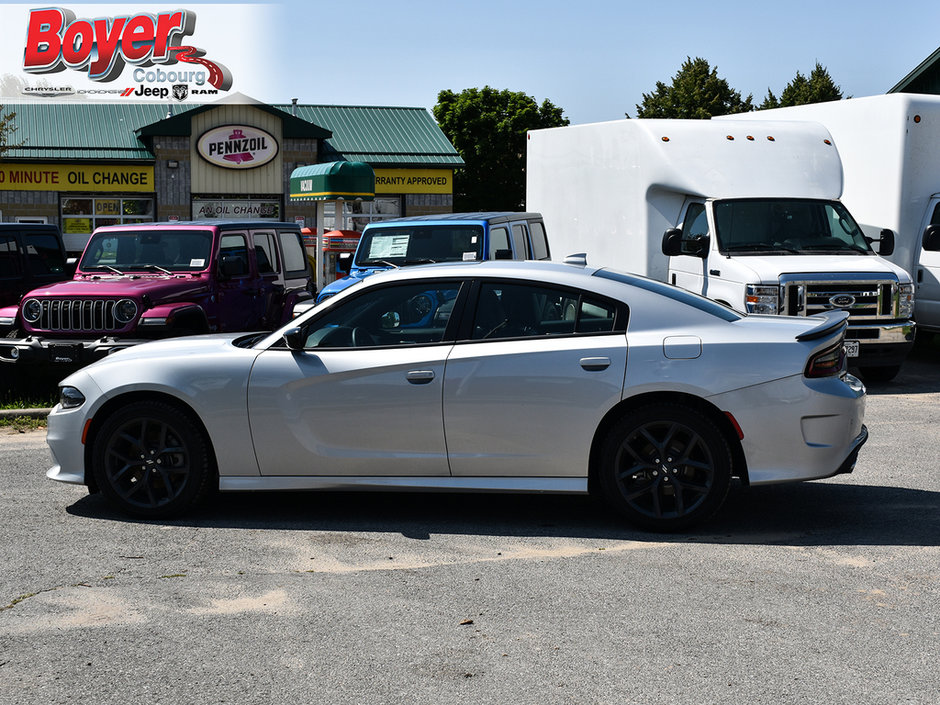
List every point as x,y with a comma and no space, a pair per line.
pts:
364,395
927,274
688,271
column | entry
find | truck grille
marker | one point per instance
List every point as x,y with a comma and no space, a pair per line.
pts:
865,300
76,315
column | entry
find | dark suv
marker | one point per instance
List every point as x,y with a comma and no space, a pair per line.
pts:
158,280
31,255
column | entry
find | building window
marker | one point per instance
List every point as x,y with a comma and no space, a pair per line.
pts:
82,214
358,214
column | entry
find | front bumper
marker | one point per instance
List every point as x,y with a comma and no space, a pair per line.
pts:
881,345
37,350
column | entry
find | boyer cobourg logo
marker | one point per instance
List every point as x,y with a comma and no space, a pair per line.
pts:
103,47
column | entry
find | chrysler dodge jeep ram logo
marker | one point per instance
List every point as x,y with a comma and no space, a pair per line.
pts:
842,300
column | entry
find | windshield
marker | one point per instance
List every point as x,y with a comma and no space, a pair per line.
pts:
787,226
148,250
420,244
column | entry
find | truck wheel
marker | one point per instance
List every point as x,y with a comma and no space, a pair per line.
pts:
880,374
665,467
151,459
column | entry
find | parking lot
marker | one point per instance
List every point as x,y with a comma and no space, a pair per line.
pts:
818,592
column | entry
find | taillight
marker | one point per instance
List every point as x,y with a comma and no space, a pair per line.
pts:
828,363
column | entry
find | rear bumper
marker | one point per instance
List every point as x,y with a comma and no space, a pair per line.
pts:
36,350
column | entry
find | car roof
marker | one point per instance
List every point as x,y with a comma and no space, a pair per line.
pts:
189,224
481,217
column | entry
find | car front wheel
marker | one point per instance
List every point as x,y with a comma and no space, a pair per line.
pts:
152,459
665,467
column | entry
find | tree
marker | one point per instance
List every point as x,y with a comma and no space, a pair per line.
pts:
7,128
488,129
696,92
818,88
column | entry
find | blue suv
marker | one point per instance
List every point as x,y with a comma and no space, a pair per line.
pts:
452,237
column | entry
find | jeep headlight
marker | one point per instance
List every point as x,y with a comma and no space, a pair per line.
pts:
905,301
762,299
125,310
32,310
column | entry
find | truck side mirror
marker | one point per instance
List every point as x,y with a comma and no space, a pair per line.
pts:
932,238
672,242
343,260
886,243
503,254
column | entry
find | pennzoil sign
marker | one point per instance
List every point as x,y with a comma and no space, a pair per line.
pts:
237,147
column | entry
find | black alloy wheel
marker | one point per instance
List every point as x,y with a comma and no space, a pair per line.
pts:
665,467
151,459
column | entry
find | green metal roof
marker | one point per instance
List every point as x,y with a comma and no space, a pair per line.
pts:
923,79
331,181
388,136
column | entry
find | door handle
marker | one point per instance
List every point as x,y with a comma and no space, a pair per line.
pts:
595,364
420,376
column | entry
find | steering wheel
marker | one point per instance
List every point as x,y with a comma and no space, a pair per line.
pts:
361,337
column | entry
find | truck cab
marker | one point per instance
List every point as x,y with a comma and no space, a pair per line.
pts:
453,237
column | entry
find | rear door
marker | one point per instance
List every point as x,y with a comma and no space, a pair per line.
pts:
528,383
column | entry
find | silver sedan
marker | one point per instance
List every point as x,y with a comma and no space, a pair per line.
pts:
494,376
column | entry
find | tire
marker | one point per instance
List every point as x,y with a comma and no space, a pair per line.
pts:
151,459
665,467
880,374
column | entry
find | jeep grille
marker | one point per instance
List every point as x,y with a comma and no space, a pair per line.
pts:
77,315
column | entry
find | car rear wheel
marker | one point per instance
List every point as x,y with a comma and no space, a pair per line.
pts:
665,467
152,459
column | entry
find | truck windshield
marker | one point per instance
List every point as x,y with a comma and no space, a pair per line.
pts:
420,244
148,251
787,226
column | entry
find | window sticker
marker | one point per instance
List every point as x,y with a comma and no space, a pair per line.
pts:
469,256
473,240
394,246
197,263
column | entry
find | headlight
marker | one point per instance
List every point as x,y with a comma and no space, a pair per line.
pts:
905,301
32,310
70,398
125,310
762,299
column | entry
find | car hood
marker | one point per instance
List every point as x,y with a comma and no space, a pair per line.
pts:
190,346
157,286
768,268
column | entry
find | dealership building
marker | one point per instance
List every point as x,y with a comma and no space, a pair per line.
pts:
82,165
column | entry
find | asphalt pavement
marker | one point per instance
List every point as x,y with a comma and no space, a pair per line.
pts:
820,592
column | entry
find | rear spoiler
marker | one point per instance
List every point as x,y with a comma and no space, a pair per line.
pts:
830,322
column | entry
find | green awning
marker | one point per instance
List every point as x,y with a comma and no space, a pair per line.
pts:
332,181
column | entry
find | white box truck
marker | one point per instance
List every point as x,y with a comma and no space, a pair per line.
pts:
890,149
745,213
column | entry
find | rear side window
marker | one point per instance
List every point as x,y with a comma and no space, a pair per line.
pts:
295,260
539,241
522,310
520,242
265,253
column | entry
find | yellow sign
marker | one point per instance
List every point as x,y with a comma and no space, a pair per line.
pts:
76,177
78,226
414,181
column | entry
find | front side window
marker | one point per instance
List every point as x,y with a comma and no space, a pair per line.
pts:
420,244
233,254
499,243
43,253
9,256
404,314
787,226
512,310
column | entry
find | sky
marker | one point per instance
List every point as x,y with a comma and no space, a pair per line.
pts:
592,59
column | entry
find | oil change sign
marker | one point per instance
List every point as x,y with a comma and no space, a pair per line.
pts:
72,177
237,147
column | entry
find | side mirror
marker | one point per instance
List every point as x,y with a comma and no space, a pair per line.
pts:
294,338
886,243
932,238
229,266
672,242
502,254
343,260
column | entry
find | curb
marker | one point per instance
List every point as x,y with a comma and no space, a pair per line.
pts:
29,413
